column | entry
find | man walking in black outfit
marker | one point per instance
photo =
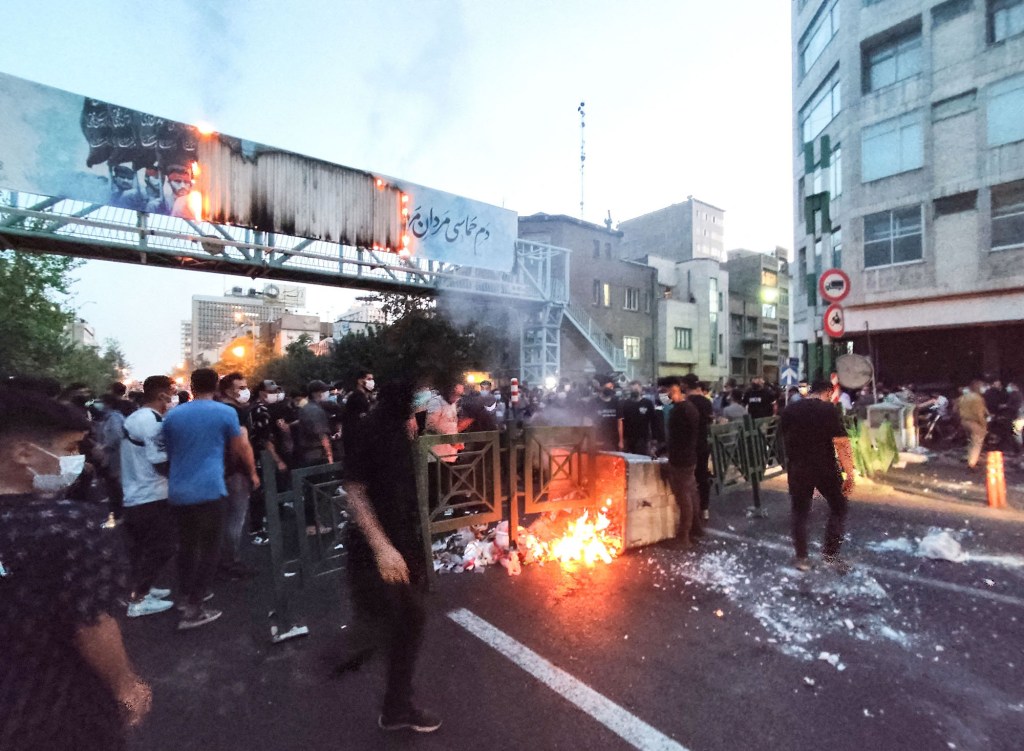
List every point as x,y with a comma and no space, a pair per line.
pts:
695,396
386,567
683,427
814,435
639,421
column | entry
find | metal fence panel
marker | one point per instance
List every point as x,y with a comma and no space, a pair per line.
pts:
560,468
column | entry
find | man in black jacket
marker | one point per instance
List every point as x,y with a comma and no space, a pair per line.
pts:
695,396
683,429
814,435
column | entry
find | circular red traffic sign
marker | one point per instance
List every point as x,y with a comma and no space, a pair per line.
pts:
834,285
835,321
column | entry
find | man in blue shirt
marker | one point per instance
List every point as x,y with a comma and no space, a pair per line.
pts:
197,436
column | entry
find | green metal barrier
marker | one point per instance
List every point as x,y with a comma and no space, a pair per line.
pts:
746,452
297,558
454,494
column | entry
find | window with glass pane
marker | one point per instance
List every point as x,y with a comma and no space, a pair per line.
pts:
632,301
713,294
1005,19
892,237
751,325
892,61
606,294
597,292
768,311
1005,105
752,366
684,338
818,35
1008,215
835,175
819,110
736,325
736,366
769,278
631,347
892,146
837,248
597,248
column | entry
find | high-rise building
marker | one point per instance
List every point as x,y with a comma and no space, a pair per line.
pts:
909,176
81,332
680,232
216,317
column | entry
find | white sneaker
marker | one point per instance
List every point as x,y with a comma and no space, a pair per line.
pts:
158,594
148,606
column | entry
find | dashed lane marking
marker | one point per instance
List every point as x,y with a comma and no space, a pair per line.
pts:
888,572
627,726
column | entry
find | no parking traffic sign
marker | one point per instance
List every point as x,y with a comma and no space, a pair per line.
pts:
835,321
834,285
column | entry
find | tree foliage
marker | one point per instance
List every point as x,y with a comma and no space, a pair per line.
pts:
33,338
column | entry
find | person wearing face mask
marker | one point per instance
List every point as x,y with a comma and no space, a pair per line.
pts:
149,524
262,437
233,390
639,421
199,436
356,408
682,433
606,417
313,443
66,680
702,473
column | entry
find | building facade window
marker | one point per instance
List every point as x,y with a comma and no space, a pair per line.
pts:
684,338
814,41
893,237
1008,215
607,250
835,174
892,61
769,310
631,347
753,368
646,301
1005,105
606,294
769,278
947,11
632,299
736,367
751,325
736,325
837,248
823,105
892,146
1005,19
597,292
597,248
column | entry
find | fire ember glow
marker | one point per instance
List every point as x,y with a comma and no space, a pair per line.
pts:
585,541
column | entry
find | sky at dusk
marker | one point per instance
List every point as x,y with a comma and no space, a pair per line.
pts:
474,98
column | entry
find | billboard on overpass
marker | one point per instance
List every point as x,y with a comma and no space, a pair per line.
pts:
58,144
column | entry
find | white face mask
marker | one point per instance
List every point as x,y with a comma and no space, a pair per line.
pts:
71,467
274,398
664,398
370,384
243,396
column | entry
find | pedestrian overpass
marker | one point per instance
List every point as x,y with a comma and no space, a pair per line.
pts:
154,192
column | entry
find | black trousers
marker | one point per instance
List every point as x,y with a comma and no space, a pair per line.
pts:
200,527
152,542
703,475
802,482
390,618
683,482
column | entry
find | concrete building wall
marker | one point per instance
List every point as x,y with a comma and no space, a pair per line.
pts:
758,339
958,279
598,282
681,232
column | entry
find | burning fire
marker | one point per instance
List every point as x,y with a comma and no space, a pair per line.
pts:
585,541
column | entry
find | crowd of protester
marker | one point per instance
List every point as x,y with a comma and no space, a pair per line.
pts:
101,494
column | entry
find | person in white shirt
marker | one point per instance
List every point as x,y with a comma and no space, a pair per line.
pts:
149,522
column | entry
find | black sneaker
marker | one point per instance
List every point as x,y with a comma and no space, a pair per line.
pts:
198,617
418,720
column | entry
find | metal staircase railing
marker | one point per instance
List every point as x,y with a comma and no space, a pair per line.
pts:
597,338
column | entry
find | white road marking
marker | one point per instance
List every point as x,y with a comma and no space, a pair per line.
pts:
627,726
887,572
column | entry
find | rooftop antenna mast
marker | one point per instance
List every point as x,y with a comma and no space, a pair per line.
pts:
583,151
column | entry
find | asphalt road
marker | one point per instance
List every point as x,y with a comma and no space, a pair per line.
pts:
727,648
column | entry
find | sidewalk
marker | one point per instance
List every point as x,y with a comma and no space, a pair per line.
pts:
945,475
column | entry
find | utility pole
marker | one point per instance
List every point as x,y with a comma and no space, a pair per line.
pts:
583,150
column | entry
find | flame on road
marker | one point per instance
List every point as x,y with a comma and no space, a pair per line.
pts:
585,541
